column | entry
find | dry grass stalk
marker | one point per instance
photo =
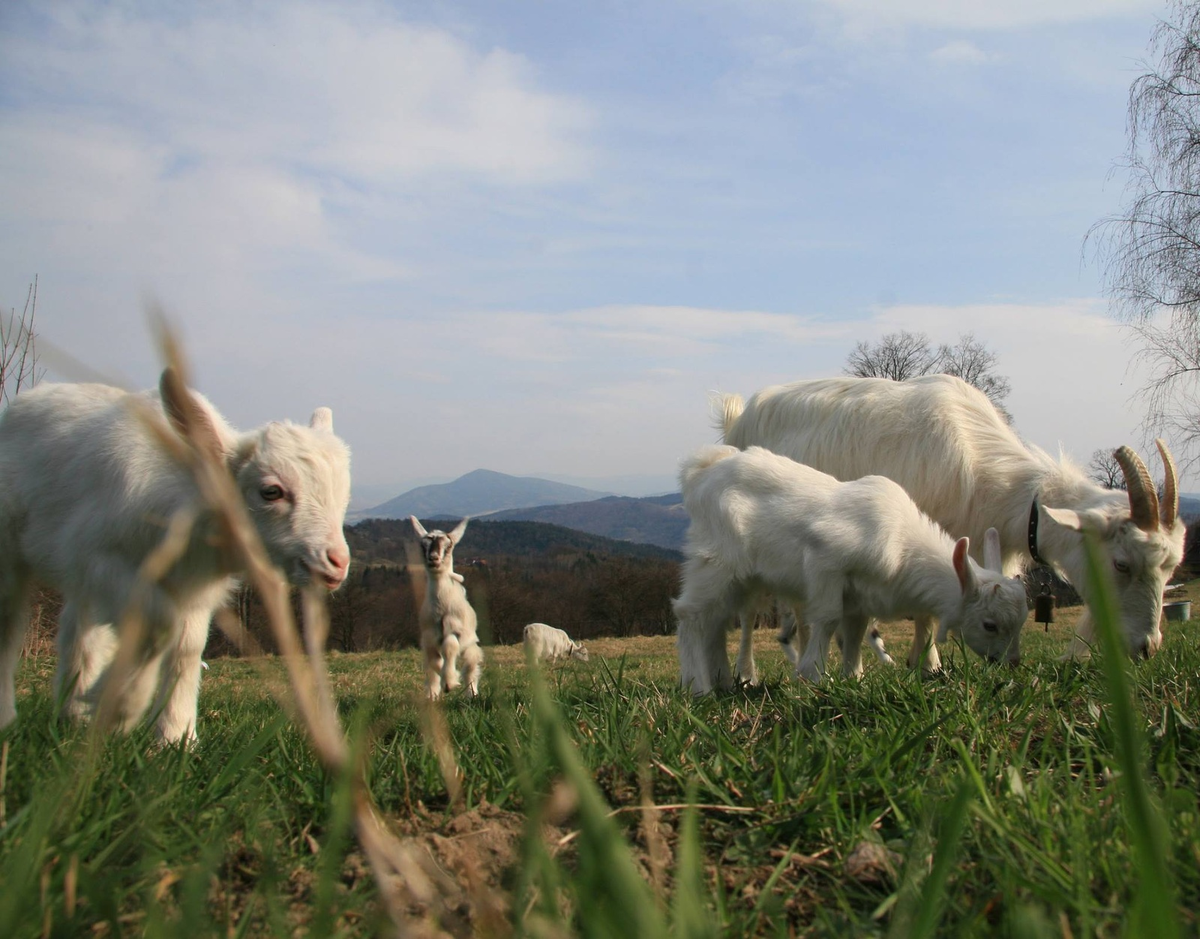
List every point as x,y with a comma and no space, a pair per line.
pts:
437,733
134,640
657,849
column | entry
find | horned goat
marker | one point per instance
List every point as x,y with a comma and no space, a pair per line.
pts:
544,642
960,461
845,552
449,631
88,489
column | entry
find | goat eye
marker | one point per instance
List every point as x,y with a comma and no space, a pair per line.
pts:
989,626
1121,567
271,493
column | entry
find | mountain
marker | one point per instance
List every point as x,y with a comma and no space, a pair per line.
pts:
377,540
1189,506
656,520
479,493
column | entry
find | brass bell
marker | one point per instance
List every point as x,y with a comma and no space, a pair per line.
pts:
1043,607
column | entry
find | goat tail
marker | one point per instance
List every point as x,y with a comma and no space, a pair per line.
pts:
701,460
726,409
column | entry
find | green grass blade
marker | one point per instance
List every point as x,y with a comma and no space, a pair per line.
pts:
1156,904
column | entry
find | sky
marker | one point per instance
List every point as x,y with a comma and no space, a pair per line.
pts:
534,237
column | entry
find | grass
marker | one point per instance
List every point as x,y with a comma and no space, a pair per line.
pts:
984,801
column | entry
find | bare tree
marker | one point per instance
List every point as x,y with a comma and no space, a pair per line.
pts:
904,355
19,371
18,348
1150,250
896,356
975,363
1104,469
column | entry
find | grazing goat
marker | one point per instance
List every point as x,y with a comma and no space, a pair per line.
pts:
959,460
448,627
761,523
546,642
88,489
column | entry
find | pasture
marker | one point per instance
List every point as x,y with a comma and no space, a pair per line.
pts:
984,801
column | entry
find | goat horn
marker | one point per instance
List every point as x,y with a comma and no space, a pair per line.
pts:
1143,500
1170,499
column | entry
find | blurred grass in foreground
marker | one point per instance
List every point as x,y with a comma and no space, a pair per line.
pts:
245,834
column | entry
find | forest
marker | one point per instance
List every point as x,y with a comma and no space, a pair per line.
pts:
515,573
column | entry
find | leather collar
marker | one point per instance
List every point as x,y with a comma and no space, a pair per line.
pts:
1033,533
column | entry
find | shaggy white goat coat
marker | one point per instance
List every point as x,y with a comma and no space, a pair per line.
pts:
449,632
87,491
960,461
845,552
544,642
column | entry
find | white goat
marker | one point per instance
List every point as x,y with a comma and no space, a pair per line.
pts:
448,627
944,442
87,490
546,642
844,551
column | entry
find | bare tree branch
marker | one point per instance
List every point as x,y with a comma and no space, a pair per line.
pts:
18,348
1150,249
903,355
1104,469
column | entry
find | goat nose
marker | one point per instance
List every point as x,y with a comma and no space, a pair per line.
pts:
338,558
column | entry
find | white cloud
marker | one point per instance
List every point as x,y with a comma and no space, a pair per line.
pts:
982,14
630,332
960,52
349,90
142,146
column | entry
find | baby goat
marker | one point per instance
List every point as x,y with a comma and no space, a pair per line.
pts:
546,642
87,491
843,552
448,627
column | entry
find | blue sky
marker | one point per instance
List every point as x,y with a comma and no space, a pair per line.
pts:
533,237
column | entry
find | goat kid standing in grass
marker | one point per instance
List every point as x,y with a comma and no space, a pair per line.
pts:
448,627
88,489
844,552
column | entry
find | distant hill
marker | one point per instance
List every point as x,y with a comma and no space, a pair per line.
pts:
383,539
656,520
1189,506
479,493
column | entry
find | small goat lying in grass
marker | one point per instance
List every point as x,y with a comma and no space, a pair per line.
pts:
448,627
87,491
544,642
844,552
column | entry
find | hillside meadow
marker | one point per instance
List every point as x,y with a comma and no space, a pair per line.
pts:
604,801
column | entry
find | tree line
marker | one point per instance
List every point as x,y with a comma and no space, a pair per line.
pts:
515,573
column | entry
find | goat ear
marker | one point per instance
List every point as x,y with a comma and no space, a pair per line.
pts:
962,567
458,531
322,419
418,527
190,419
1078,521
1064,517
993,559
